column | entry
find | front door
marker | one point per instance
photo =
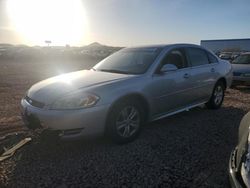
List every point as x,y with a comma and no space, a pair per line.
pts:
170,90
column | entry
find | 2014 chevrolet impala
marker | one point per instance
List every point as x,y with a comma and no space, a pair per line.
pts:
132,86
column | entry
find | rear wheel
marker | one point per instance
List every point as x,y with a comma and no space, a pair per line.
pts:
217,97
125,121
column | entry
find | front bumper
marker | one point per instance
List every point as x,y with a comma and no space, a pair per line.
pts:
70,123
234,182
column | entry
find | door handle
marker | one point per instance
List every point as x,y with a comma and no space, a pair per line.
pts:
212,69
186,75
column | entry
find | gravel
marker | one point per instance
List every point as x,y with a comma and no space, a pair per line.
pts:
190,149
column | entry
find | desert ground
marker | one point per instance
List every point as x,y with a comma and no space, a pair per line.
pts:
190,149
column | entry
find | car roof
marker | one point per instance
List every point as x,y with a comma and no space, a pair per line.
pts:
167,45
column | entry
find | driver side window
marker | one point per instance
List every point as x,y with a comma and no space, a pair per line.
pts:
175,57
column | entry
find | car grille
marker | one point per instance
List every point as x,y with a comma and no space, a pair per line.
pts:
34,102
237,73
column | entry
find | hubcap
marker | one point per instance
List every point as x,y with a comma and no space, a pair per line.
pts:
128,121
218,95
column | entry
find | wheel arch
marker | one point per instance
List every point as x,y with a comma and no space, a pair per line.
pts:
132,96
223,80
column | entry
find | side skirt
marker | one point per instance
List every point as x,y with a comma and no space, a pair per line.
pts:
178,111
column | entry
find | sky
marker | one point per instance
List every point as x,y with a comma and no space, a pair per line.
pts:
122,22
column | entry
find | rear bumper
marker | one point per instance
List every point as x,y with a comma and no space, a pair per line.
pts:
234,182
69,123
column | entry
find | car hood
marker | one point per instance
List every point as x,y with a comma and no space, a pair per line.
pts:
50,89
242,68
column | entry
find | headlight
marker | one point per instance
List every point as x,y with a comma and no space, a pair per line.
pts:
75,101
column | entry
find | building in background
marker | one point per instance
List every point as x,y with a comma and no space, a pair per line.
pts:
227,45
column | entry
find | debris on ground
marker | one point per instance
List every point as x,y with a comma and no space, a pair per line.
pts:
10,152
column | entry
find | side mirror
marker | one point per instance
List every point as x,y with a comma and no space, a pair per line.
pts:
168,68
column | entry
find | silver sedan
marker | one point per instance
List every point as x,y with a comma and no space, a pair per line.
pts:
125,90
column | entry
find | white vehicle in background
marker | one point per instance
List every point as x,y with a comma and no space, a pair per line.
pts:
226,55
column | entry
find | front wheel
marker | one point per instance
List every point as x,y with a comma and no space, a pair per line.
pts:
125,121
217,97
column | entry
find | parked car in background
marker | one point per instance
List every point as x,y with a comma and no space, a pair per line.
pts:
241,70
126,89
235,55
239,163
226,55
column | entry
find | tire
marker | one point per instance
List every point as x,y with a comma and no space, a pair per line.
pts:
217,97
125,121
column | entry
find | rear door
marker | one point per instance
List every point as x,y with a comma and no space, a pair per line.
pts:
204,73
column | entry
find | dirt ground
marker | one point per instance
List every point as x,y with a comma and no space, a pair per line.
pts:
190,149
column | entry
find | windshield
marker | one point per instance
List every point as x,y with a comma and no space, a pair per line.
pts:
129,61
242,59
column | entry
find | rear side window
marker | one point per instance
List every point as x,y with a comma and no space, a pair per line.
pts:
211,58
197,56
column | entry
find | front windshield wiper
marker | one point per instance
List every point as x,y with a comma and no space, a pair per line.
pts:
113,71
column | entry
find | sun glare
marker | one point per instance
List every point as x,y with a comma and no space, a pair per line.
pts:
60,21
